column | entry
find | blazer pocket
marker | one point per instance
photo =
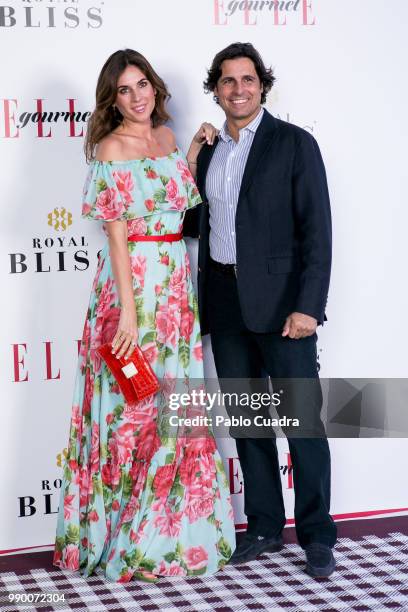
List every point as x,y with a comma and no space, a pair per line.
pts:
281,265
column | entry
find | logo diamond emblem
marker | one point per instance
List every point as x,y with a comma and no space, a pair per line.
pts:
60,219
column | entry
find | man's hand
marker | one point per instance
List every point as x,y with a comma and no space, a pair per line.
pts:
299,325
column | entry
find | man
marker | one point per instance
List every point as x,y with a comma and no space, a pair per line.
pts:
264,269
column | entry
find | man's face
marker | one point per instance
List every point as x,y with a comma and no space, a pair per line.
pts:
239,89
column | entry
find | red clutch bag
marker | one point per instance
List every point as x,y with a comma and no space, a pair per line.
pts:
134,376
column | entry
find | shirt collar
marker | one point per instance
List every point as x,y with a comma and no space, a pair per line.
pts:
251,127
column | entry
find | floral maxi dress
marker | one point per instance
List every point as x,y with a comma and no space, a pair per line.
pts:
136,499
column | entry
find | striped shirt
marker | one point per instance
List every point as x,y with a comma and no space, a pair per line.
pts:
223,183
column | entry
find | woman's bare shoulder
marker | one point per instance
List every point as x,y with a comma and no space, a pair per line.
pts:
167,136
109,148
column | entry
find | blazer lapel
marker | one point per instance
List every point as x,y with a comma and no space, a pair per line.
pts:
262,141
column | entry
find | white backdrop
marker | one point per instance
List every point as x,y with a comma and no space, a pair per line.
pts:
340,74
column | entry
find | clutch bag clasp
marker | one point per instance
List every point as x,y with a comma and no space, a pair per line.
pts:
129,370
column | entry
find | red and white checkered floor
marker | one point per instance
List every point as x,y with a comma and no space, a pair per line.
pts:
372,574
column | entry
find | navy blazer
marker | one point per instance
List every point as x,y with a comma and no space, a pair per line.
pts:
282,228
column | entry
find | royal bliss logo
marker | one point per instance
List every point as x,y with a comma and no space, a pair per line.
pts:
46,501
28,505
60,219
53,253
252,12
45,14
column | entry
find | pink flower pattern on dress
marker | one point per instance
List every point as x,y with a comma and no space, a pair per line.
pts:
198,351
129,512
126,576
169,524
186,175
200,503
85,485
149,203
125,185
139,265
163,481
136,537
70,558
172,569
86,208
167,325
106,297
178,203
151,352
108,206
68,508
95,448
137,227
88,392
93,516
141,413
130,489
195,557
172,190
122,443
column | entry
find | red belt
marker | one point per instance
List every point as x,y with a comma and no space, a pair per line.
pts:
157,238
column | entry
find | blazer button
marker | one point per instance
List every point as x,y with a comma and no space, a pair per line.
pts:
199,269
199,236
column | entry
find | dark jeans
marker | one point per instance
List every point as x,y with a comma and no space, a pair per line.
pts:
240,353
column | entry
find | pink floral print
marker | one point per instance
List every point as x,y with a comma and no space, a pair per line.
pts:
138,495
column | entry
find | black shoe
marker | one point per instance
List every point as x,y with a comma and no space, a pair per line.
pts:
251,546
319,560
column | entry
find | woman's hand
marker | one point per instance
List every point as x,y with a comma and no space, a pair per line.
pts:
126,335
206,133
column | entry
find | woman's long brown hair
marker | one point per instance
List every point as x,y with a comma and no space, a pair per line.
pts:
105,118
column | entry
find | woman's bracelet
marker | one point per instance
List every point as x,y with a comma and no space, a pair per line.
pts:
191,162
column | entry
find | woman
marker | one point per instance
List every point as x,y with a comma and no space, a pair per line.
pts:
138,499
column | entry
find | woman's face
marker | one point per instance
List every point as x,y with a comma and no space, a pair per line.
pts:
135,97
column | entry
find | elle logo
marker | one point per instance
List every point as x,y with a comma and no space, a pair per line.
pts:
236,479
281,12
20,371
42,121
